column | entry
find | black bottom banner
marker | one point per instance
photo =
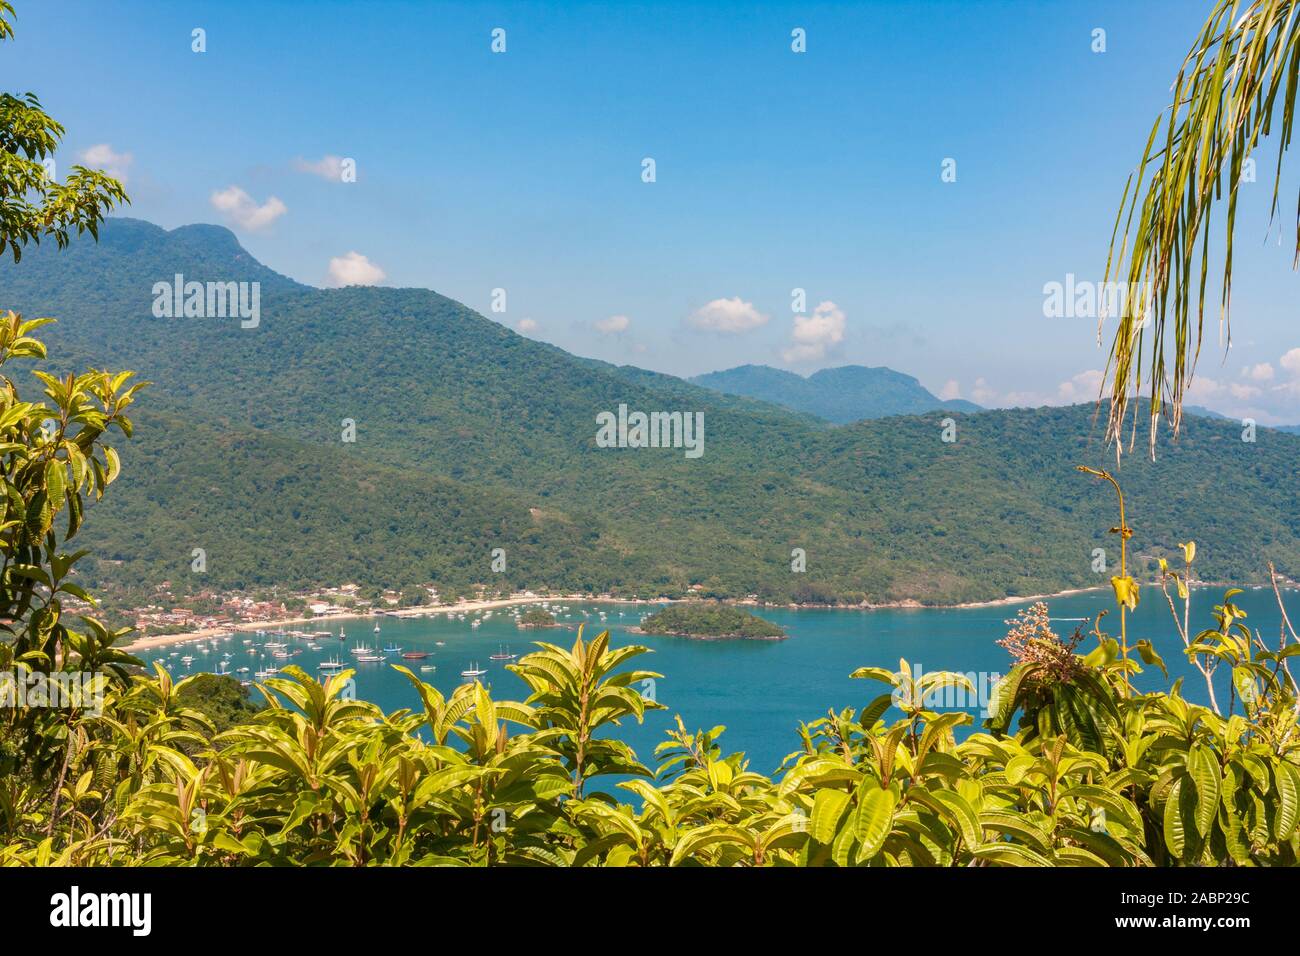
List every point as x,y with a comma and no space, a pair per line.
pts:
155,906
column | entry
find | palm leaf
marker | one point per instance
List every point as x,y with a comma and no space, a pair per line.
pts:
1237,82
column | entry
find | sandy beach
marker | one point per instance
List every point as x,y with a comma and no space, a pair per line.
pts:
163,640
1002,602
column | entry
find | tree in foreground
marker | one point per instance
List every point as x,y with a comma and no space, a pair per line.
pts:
53,453
33,204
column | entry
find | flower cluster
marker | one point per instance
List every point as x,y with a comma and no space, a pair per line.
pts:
1031,640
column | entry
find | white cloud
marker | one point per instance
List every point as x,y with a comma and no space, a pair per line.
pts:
105,157
240,208
1204,388
1291,361
614,325
1084,387
327,167
1268,403
731,316
1262,372
354,269
813,335
981,393
527,325
1022,400
951,389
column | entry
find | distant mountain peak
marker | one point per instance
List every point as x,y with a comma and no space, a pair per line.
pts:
206,232
126,229
142,253
841,394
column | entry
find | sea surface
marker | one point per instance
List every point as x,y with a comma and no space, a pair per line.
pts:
759,690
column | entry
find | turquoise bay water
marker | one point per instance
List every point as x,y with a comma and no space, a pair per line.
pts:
760,690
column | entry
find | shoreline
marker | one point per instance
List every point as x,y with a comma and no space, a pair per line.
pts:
165,640
996,602
244,627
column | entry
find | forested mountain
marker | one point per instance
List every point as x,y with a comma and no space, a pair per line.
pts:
846,394
469,437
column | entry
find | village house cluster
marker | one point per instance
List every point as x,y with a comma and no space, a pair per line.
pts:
171,613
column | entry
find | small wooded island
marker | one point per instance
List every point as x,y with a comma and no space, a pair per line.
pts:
711,622
537,617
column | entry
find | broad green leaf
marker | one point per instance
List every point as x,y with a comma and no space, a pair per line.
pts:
875,817
828,807
1203,766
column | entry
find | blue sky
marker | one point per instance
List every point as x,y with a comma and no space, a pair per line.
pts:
774,170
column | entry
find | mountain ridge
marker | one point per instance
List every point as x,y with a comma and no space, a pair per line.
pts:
841,394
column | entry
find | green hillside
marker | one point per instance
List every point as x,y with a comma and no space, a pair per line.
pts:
470,437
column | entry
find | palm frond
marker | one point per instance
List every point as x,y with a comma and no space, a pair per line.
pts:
1238,81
